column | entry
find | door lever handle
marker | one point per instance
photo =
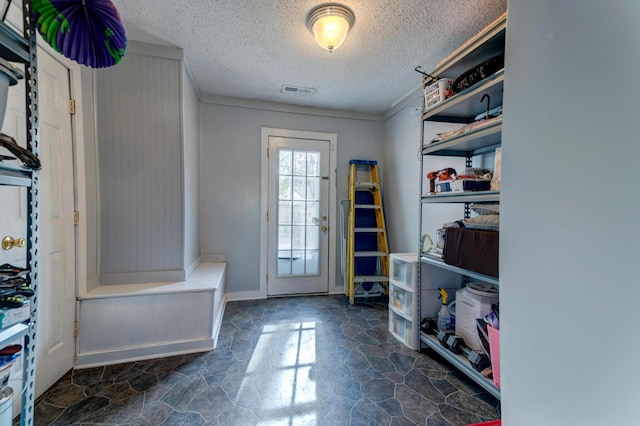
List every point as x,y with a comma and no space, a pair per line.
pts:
9,242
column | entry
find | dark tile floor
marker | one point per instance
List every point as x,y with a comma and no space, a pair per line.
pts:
288,361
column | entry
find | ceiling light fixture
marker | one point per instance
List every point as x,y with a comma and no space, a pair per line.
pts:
330,23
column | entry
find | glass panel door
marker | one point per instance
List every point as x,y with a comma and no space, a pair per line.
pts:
298,237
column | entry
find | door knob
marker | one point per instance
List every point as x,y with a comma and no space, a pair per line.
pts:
324,228
9,242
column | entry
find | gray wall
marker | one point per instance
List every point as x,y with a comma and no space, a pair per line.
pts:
401,185
402,179
92,212
191,168
140,161
569,254
230,165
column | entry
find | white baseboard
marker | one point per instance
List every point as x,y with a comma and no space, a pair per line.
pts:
244,295
136,354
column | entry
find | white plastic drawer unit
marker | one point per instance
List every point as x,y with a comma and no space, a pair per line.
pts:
404,269
402,300
403,330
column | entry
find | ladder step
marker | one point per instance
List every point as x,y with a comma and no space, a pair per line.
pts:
367,206
370,279
366,185
370,254
368,229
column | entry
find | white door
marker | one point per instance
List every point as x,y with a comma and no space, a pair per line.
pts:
298,237
56,301
56,287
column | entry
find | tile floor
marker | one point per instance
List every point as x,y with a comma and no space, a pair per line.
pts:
287,361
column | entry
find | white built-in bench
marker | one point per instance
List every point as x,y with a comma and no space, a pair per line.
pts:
121,323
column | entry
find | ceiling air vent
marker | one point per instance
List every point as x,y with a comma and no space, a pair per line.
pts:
298,90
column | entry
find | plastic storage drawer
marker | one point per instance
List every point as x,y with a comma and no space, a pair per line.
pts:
404,269
403,329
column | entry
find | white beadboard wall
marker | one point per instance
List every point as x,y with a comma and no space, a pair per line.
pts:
141,170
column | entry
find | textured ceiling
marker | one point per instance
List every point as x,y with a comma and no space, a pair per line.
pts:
249,49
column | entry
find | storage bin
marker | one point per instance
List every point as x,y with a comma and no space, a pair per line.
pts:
472,249
494,345
437,92
404,269
403,330
401,299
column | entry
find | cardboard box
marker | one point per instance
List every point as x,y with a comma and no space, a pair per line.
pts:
11,316
461,185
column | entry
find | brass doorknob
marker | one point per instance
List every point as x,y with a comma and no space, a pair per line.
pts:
324,229
9,242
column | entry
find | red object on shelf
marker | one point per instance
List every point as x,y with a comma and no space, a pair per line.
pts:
489,423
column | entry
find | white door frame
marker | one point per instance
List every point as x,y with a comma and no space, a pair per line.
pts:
264,198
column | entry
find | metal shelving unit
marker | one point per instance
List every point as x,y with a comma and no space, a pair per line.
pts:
462,197
462,108
22,49
460,363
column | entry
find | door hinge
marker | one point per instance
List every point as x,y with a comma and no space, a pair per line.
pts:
76,218
267,152
72,106
76,329
267,278
267,215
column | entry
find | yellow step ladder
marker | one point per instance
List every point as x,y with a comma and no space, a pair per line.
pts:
367,270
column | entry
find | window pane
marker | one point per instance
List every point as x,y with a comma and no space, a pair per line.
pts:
313,164
284,237
299,212
297,263
313,188
312,262
285,188
313,238
298,240
313,213
299,188
300,163
285,162
284,213
284,262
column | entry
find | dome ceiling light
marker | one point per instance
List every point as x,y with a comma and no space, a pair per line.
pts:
330,23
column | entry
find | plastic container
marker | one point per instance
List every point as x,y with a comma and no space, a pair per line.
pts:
444,319
404,269
452,314
437,92
472,302
6,404
402,300
9,75
403,330
430,302
494,345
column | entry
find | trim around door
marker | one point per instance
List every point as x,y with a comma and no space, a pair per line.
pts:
264,198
